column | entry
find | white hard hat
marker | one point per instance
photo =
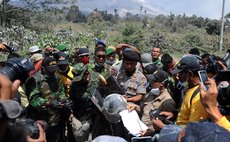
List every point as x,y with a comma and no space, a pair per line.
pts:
33,49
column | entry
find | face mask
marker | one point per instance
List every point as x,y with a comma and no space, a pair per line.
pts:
155,91
63,70
51,70
109,62
85,60
100,65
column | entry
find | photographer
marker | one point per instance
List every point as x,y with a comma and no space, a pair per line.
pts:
7,92
209,101
215,65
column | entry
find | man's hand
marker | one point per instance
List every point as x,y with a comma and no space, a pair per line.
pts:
168,115
222,65
113,71
122,45
49,49
157,123
209,100
134,99
54,104
2,47
145,132
131,107
42,135
7,88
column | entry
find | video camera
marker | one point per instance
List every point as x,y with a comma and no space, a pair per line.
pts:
213,67
223,100
8,49
223,97
155,113
30,126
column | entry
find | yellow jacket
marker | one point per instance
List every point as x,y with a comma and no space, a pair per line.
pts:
191,113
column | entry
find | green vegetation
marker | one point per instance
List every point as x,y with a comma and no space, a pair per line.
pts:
175,34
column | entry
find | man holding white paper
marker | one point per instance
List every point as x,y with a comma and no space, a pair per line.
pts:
158,98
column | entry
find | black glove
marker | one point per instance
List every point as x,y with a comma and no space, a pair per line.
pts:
54,104
68,104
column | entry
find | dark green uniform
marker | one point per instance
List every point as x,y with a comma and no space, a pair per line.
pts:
84,109
104,71
81,93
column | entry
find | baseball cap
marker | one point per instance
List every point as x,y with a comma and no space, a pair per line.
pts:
36,57
186,63
78,71
195,132
50,64
61,47
11,108
63,58
100,42
170,133
146,59
33,49
160,76
110,50
82,51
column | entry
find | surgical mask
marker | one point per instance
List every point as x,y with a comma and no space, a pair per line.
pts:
85,60
155,91
109,62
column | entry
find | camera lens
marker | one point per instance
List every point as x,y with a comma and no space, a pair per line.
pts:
9,72
224,96
17,68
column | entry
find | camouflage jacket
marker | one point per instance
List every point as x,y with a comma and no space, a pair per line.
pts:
42,89
81,94
105,71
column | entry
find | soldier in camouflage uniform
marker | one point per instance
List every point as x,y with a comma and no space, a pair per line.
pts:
99,62
131,79
47,97
82,88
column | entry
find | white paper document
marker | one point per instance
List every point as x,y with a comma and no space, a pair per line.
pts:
132,122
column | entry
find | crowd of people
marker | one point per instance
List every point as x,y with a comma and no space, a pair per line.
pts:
166,93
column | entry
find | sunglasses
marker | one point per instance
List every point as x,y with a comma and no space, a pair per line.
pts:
101,56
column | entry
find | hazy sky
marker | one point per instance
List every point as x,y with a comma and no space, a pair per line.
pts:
205,8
